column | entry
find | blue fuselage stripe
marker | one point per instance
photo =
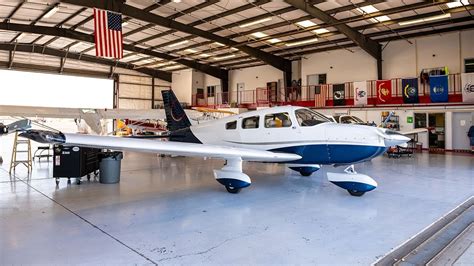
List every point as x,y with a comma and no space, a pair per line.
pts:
333,153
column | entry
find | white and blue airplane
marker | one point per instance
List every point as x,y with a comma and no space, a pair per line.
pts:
299,137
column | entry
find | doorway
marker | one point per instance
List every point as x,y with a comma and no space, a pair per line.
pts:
436,130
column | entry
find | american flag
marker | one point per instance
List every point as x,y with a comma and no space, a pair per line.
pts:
320,95
108,34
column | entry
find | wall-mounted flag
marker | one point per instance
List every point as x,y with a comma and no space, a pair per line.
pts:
410,90
338,94
320,92
384,91
108,34
360,93
467,82
439,89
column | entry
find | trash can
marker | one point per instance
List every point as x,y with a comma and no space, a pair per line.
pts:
110,165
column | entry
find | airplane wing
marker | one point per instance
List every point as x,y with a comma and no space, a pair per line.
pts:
414,131
164,147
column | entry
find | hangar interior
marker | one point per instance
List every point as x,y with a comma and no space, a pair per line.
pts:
403,70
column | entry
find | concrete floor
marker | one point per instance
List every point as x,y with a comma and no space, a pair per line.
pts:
172,211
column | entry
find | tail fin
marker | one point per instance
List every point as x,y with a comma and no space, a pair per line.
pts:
175,115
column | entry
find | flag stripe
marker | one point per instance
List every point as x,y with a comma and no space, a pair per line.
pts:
108,34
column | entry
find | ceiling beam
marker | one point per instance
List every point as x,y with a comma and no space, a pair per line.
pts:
79,36
54,70
127,10
14,11
51,7
29,48
370,46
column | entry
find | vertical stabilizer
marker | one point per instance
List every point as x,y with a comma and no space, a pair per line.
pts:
175,116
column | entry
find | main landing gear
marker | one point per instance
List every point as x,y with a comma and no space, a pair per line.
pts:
231,176
356,184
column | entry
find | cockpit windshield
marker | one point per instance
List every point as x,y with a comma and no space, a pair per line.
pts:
308,117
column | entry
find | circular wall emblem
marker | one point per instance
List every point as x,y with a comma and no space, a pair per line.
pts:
76,149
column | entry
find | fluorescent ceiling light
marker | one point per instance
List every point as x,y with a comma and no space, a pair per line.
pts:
255,22
224,57
20,36
457,3
51,12
204,55
302,42
192,51
178,43
415,21
125,23
259,34
274,40
171,67
320,31
306,23
233,49
381,19
219,44
176,1
367,9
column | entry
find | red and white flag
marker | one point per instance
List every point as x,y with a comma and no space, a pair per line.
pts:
108,34
320,95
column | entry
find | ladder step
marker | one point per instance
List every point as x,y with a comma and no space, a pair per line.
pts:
22,141
23,161
21,151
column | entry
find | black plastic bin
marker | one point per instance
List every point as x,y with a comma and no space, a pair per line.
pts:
110,165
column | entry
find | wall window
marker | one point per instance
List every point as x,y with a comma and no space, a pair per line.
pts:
250,122
469,65
420,120
277,120
211,91
231,125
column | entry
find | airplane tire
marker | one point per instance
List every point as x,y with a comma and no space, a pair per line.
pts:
355,193
232,190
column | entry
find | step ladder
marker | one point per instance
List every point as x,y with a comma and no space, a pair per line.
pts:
21,146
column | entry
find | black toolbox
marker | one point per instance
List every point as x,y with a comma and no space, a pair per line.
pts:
74,162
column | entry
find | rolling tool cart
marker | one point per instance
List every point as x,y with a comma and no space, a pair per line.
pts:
75,162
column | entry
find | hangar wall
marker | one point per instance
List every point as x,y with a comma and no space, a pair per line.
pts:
400,59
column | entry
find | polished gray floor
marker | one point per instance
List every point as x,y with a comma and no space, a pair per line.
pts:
172,211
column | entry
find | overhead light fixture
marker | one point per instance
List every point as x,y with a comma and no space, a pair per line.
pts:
204,55
176,1
51,12
457,3
172,67
274,40
321,31
125,23
20,36
255,22
191,51
219,44
367,9
380,19
306,23
259,34
178,43
224,57
421,20
302,42
233,49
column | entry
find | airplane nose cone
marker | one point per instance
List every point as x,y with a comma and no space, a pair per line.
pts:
392,138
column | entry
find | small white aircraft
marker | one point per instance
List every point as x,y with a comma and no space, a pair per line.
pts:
297,136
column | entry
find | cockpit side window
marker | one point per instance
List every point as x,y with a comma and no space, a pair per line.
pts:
250,122
231,125
308,118
277,120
